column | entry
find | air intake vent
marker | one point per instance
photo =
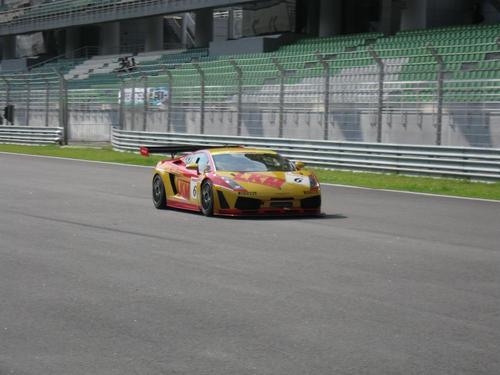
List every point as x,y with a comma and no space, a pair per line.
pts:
247,204
311,203
222,200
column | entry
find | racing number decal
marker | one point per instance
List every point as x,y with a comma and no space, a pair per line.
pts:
293,178
193,188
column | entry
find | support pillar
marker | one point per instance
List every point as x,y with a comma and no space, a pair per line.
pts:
312,24
390,16
72,41
110,38
204,27
154,34
9,47
330,17
414,15
184,37
230,24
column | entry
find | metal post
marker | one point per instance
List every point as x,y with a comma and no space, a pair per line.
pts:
381,79
146,104
282,96
47,102
132,118
202,92
28,101
121,118
440,93
63,106
239,77
170,92
7,95
326,109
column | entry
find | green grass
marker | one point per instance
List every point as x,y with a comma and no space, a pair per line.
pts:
84,153
442,186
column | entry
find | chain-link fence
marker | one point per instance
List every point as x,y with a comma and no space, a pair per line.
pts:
381,101
34,99
390,99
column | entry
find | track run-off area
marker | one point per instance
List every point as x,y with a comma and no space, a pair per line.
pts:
94,280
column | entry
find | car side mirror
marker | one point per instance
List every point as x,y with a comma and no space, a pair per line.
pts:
299,165
192,167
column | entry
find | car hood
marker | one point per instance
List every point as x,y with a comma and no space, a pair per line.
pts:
272,182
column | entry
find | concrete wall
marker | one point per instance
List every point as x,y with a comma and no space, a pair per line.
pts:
92,126
476,129
470,126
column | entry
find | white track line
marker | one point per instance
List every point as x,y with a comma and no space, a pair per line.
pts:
73,159
412,193
323,184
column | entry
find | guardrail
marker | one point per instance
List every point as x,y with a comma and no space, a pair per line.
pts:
30,135
456,162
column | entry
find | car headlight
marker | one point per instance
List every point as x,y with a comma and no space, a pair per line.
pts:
314,183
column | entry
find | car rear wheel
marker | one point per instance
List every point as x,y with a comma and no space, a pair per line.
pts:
159,196
207,198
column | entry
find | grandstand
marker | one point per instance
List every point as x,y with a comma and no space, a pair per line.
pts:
374,85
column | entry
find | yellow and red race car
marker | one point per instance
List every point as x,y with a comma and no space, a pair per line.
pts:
234,181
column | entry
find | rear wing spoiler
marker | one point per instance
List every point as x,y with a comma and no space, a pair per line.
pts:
173,149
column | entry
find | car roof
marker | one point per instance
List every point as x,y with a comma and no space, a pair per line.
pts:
239,150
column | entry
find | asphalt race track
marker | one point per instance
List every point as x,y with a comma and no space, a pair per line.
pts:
94,280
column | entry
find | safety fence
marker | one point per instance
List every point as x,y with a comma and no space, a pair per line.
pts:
374,99
31,135
372,103
473,163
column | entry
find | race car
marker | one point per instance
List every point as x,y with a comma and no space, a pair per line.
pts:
233,181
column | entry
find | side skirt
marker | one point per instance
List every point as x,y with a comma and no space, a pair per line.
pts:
182,205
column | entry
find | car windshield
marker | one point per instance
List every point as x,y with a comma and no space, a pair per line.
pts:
252,162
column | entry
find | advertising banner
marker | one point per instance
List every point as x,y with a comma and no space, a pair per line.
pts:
30,45
156,96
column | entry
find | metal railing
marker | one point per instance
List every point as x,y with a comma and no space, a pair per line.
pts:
67,13
472,163
31,135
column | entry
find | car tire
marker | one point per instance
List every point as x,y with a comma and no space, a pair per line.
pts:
159,196
207,198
